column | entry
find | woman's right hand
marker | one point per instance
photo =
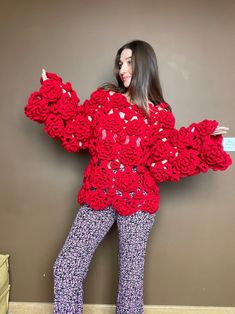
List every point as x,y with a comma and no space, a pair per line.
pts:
44,76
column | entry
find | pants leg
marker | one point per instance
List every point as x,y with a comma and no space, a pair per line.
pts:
71,266
133,233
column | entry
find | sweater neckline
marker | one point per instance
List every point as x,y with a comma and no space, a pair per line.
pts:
133,105
149,103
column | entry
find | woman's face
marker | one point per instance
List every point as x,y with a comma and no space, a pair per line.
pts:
125,67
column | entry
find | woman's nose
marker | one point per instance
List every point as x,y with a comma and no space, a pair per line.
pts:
123,69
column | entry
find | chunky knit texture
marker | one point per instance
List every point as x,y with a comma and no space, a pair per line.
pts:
130,152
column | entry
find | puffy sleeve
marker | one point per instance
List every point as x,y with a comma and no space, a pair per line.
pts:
174,154
56,106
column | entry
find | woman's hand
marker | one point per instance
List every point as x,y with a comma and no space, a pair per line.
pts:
220,130
44,76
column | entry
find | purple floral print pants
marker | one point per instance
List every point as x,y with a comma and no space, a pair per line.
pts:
71,266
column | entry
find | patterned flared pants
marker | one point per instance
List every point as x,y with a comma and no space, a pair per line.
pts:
87,231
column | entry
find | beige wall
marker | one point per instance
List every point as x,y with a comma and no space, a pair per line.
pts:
190,255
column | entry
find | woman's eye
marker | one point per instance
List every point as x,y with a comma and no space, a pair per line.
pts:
120,64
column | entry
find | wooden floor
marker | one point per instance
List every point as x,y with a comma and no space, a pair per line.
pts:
47,308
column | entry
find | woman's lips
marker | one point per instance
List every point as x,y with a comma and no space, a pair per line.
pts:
126,78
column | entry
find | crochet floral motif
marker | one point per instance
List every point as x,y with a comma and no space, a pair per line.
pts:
130,152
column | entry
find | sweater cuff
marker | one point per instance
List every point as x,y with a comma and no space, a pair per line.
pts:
212,152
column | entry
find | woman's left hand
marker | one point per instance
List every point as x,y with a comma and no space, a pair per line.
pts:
220,130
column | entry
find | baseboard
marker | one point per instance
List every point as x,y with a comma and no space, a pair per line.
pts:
47,308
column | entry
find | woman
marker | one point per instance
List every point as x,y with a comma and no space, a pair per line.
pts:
129,131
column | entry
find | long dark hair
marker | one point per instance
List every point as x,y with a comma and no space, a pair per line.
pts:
145,84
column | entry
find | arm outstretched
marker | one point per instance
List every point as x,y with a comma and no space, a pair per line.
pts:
56,105
175,154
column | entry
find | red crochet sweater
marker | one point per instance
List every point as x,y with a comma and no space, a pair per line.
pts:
130,152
